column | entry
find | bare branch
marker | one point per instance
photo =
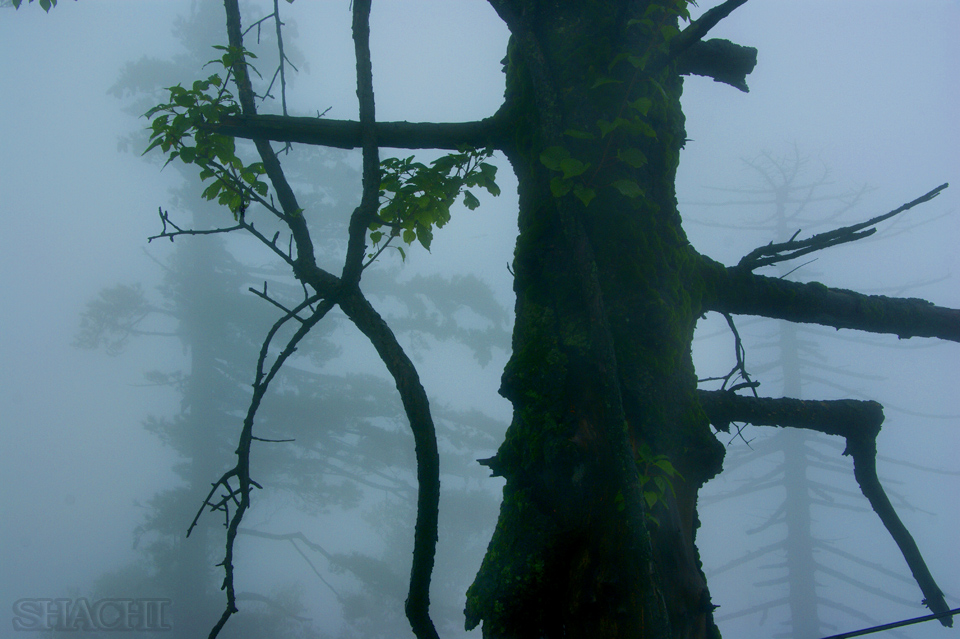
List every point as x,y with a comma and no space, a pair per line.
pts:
346,134
734,290
773,253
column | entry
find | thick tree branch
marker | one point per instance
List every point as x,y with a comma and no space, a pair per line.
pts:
721,60
346,134
734,290
417,408
843,417
859,423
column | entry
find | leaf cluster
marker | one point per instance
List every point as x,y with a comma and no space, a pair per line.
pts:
659,19
656,477
415,197
184,128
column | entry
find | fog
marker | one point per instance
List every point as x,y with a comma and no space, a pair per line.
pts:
864,93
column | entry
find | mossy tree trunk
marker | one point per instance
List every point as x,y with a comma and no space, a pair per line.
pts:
607,300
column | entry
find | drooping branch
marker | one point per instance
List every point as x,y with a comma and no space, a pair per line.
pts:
859,423
346,134
864,453
733,290
417,408
242,469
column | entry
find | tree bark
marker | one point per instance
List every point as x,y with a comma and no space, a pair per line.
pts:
608,294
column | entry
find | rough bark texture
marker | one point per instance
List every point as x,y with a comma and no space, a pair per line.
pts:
607,301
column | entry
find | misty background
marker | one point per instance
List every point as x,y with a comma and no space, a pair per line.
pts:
859,97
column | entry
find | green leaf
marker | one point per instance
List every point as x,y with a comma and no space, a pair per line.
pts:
628,188
425,236
632,156
409,236
651,498
470,200
646,129
642,105
188,154
213,190
560,187
552,156
584,194
606,128
573,167
668,31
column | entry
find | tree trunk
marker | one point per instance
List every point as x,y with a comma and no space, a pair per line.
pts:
601,378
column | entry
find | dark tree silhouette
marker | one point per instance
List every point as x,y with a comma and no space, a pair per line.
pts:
609,292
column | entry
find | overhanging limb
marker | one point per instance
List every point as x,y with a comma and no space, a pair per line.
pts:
740,292
346,134
859,423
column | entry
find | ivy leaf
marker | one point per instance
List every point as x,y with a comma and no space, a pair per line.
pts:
552,157
668,31
573,167
584,194
632,156
608,127
642,105
560,187
628,188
